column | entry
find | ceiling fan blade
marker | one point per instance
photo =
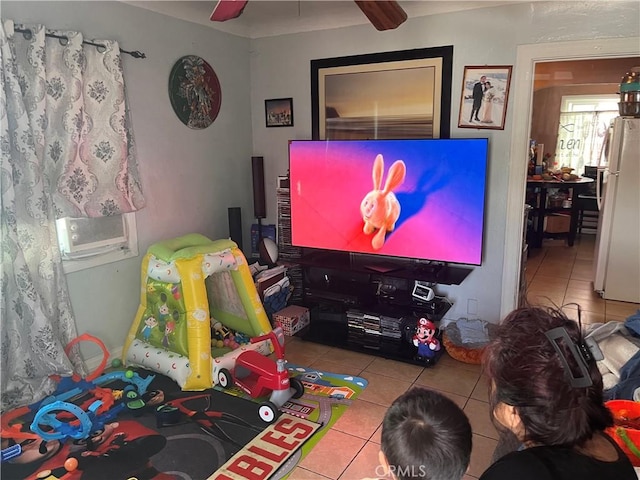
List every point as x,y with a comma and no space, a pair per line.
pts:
384,14
227,9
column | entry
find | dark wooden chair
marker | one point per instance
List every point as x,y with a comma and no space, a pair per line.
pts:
587,204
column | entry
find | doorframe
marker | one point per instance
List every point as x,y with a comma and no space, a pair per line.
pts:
526,58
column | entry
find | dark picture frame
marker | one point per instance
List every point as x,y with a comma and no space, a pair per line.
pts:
475,110
278,112
191,76
401,94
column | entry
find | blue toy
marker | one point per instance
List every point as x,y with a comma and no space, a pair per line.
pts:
11,452
97,414
87,422
62,419
69,388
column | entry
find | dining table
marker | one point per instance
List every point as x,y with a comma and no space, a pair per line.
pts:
541,210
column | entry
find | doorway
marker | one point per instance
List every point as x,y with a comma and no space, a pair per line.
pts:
528,56
573,105
573,102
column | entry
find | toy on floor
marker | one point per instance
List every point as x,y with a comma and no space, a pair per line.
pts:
258,375
122,449
48,425
56,418
69,387
209,420
425,339
195,294
626,428
422,335
10,452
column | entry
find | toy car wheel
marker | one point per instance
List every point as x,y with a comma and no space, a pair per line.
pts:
298,387
225,380
268,412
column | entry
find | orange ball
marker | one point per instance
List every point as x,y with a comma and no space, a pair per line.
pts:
70,464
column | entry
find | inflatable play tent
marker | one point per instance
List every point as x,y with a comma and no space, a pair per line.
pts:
188,284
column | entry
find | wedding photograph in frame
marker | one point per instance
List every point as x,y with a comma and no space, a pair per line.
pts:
279,112
485,94
401,94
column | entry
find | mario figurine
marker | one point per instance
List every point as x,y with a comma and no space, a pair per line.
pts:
425,340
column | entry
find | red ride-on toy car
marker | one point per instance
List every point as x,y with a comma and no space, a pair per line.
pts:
258,375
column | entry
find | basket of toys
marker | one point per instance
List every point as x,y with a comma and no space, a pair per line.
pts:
626,428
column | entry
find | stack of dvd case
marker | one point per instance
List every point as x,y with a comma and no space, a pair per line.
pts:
355,327
364,329
390,328
287,253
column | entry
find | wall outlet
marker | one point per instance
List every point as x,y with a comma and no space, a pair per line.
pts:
472,307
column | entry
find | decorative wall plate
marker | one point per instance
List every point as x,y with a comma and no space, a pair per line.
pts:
195,92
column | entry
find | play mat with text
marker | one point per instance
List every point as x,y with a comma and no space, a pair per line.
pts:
327,396
169,434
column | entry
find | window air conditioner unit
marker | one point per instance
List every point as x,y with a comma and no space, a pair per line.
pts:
78,235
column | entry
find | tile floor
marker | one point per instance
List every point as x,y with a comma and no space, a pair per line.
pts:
349,450
561,275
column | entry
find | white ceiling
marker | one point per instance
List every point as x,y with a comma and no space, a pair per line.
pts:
264,18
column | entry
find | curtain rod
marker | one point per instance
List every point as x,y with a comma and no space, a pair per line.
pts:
134,54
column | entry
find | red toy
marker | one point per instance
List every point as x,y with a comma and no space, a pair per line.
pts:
425,339
258,375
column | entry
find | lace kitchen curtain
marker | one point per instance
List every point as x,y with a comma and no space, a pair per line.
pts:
581,137
66,151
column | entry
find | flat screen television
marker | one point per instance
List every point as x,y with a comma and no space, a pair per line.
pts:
433,210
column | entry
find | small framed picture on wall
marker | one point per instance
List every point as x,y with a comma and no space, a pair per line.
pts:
279,112
485,92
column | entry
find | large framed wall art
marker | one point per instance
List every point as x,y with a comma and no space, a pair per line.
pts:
401,94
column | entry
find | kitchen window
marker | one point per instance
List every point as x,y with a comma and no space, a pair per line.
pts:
583,126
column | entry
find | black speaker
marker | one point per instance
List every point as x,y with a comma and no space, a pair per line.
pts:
235,225
259,202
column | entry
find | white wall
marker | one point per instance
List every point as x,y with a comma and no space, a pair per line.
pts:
280,67
189,177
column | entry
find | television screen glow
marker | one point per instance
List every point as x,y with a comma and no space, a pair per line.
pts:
438,208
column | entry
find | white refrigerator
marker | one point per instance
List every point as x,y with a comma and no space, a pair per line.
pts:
617,251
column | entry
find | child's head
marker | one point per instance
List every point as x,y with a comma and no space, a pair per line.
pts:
425,435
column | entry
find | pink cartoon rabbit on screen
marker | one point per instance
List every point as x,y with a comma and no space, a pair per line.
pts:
380,208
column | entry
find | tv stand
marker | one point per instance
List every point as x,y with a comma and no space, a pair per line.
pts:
368,306
441,273
382,267
433,269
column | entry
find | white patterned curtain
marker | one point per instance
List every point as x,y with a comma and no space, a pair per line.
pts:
66,151
581,137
